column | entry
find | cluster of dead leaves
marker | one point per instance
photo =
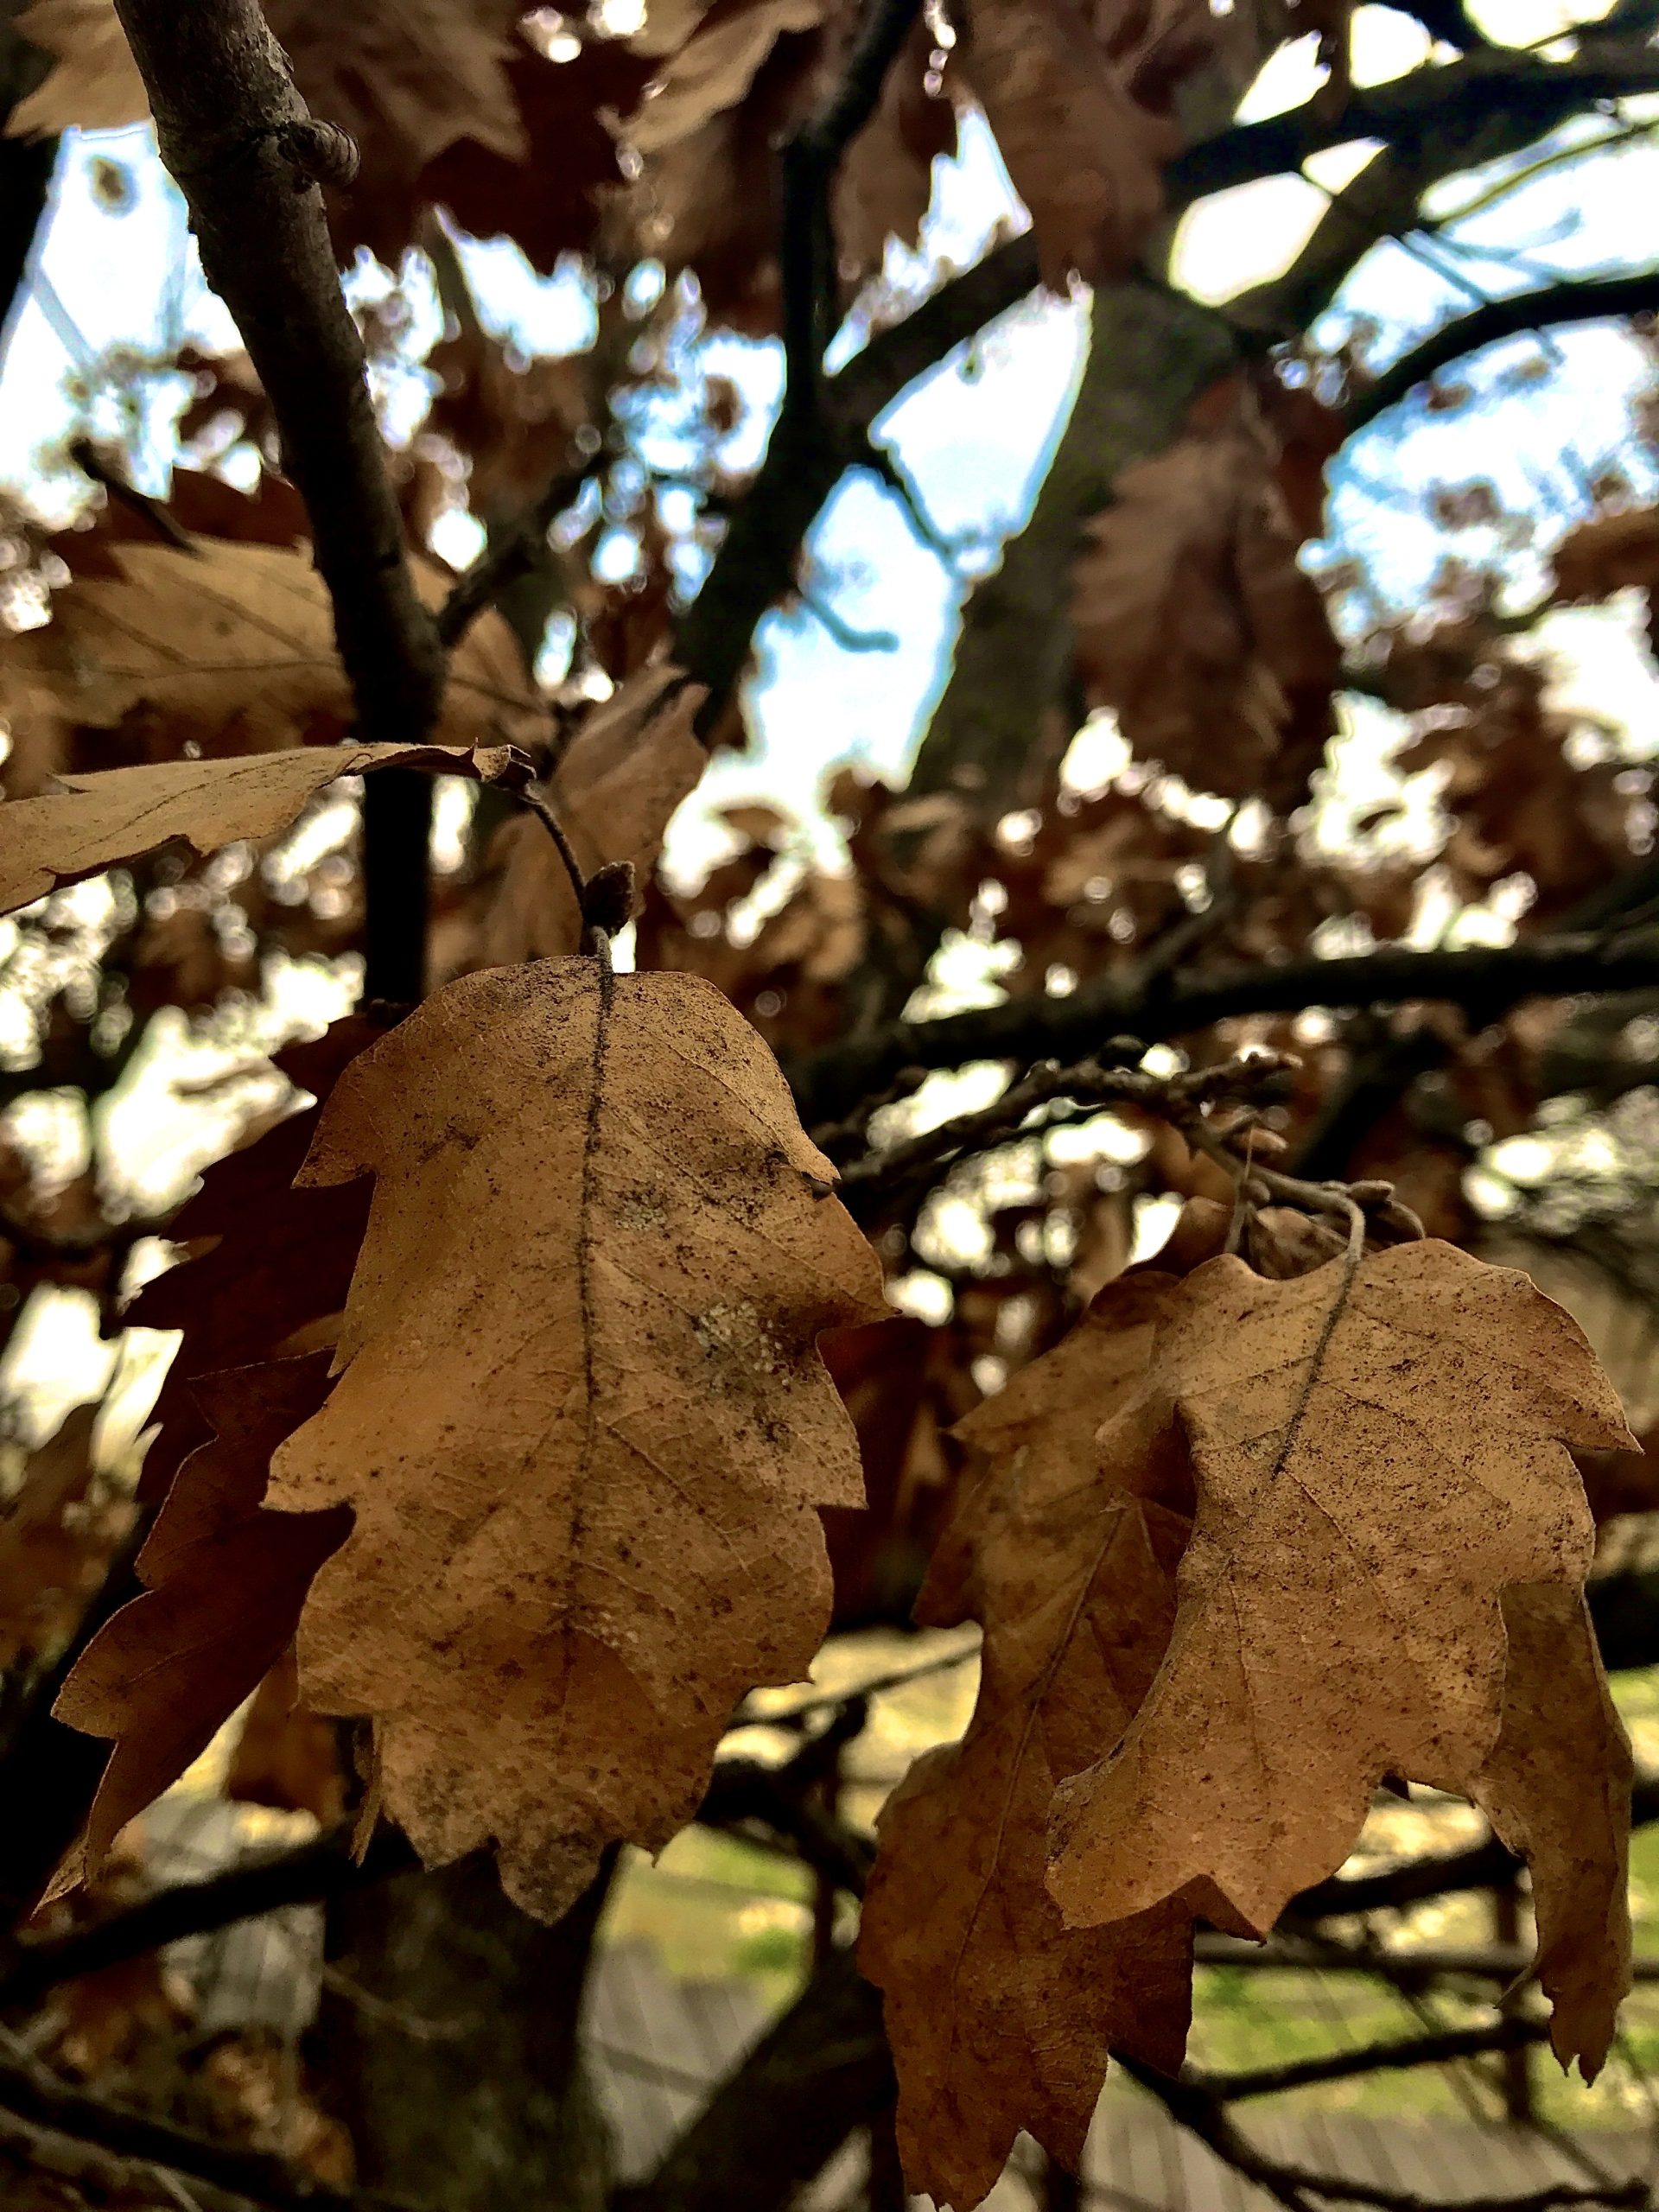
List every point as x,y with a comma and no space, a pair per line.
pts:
1520,804
663,143
448,105
545,1519
1241,1549
590,1479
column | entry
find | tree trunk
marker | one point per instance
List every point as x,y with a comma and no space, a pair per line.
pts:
448,2043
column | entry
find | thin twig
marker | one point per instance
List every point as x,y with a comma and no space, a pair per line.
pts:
1596,299
161,519
1094,1081
811,156
896,1678
539,807
1392,2057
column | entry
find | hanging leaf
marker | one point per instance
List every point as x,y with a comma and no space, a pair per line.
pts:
1379,1454
224,1581
1000,2016
616,787
581,1419
1557,1790
277,1264
1195,625
230,648
100,822
1081,152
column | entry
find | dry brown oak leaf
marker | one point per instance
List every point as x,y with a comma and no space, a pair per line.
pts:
1379,1453
225,1578
101,821
1557,1789
1195,625
232,648
1000,2017
582,1418
278,1263
1085,157
616,786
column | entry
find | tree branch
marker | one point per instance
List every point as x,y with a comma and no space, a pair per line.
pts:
757,558
1152,351
239,140
740,1791
307,1873
1593,299
1193,2106
1288,1952
812,157
1453,100
1485,979
1372,2058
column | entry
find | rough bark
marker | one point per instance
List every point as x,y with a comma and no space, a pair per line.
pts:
448,2043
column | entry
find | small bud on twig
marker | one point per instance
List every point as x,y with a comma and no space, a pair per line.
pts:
318,153
607,898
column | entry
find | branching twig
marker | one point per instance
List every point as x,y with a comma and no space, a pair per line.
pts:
1580,300
757,558
1488,979
1195,2107
1372,2058
1444,101
1111,1075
